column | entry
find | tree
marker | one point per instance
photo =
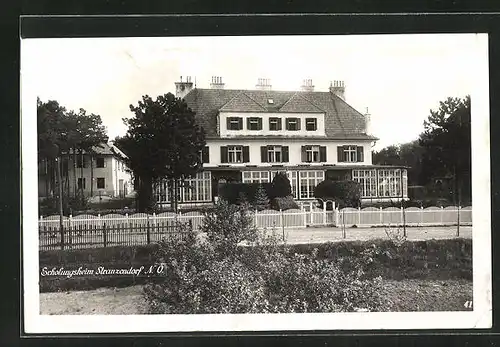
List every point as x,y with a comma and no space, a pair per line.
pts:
447,143
261,199
281,185
163,141
344,193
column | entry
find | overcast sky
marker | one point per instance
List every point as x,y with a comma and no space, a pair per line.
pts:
398,77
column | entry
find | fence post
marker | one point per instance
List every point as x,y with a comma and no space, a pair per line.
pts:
282,225
337,217
421,215
70,236
458,221
442,212
155,223
99,220
255,217
324,214
359,216
304,215
148,234
381,216
401,216
104,236
127,221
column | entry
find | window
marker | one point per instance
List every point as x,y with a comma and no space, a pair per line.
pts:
81,162
274,124
274,154
292,176
270,101
314,154
100,183
81,183
293,124
254,123
235,154
368,182
99,162
198,189
389,183
350,154
311,124
204,154
255,177
308,181
234,123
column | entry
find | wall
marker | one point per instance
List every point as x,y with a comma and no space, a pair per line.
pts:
294,151
320,130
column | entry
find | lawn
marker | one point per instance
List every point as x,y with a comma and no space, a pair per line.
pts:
403,295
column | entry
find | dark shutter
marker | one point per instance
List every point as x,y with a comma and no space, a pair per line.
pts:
260,124
278,124
246,154
284,151
322,154
223,154
228,123
263,154
287,123
359,156
340,154
240,123
248,123
205,155
303,153
298,123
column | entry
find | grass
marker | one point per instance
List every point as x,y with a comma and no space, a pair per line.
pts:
400,296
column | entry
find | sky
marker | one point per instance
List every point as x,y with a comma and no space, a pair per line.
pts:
399,78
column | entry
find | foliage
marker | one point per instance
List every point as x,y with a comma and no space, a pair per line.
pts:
233,192
163,140
281,185
345,193
227,225
284,203
261,200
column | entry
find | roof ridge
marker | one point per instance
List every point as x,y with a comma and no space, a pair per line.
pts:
237,96
265,109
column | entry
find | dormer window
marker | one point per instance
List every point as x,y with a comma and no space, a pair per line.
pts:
274,124
234,123
254,123
270,101
311,124
293,124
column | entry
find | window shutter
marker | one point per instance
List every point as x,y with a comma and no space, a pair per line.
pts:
246,154
284,151
340,154
287,123
298,123
359,153
278,124
263,154
228,123
260,124
303,153
205,155
248,123
104,161
223,154
240,122
322,154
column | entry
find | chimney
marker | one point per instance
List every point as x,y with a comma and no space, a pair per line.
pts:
217,83
368,123
307,86
183,88
263,84
338,88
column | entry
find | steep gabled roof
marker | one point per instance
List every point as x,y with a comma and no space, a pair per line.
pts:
242,102
341,120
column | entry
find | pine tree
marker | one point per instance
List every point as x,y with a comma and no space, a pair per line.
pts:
261,201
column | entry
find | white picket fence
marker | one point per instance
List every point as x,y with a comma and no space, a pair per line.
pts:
295,218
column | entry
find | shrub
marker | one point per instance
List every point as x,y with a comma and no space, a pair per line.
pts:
344,193
231,192
281,185
284,203
261,201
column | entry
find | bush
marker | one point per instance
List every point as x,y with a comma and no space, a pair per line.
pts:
344,193
281,185
232,192
261,199
284,203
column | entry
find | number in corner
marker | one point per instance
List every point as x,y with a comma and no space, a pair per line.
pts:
468,304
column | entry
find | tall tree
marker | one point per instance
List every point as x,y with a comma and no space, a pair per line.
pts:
447,143
163,141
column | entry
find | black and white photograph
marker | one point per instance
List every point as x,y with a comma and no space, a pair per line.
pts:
256,183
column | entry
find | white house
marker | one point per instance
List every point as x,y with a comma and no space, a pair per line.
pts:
310,135
107,175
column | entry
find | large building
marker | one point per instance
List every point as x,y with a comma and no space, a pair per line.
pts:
311,135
